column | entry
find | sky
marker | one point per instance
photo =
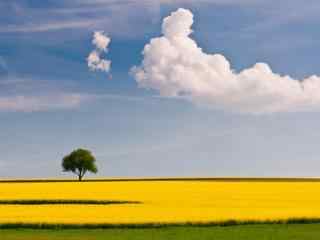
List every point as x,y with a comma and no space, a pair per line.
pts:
160,87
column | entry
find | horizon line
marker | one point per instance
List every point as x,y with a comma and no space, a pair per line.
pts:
135,179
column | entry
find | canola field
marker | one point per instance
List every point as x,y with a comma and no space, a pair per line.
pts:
170,201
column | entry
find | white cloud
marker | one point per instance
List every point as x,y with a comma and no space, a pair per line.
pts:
176,66
101,41
23,103
94,60
96,63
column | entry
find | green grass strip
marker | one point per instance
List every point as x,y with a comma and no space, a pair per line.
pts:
63,201
153,225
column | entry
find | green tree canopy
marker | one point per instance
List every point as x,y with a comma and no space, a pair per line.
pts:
79,162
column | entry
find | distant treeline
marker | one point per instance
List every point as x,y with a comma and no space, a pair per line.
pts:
216,179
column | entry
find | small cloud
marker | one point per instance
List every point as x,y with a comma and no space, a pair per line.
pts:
96,63
94,60
101,41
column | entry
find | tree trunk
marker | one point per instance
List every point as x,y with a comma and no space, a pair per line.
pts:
80,174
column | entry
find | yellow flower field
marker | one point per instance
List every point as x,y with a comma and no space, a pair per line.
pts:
162,201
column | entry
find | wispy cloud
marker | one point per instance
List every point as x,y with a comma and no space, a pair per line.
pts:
117,17
118,2
20,94
51,26
114,17
274,14
63,101
60,101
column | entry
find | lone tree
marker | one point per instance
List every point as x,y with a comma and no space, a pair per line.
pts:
79,162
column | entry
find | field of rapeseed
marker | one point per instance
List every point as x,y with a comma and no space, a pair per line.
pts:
160,201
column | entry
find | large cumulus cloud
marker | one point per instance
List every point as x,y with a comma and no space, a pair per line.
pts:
175,66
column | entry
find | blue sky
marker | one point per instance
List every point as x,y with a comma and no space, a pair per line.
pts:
51,103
